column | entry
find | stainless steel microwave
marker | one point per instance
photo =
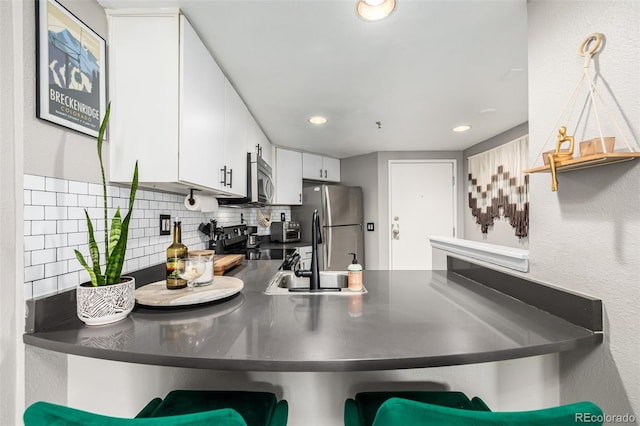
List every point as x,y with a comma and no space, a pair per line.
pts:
260,188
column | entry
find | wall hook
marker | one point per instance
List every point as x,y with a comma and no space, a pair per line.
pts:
379,123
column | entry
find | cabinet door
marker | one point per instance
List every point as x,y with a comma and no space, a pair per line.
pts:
202,112
235,142
257,142
312,166
288,177
331,169
143,89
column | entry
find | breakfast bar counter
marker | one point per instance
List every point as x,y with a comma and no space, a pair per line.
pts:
406,319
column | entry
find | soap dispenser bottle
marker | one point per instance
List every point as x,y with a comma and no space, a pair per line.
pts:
354,274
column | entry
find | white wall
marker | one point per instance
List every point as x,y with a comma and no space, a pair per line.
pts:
586,236
11,302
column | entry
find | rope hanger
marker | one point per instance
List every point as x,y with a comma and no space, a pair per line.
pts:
589,47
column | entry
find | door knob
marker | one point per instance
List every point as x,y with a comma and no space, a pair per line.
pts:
395,231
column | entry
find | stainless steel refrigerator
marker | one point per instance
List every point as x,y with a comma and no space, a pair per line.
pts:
341,218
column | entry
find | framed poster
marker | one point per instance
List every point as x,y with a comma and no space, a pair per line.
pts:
71,67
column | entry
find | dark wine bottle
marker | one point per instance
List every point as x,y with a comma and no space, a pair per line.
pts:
175,252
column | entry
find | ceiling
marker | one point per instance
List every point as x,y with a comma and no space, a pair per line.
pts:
430,66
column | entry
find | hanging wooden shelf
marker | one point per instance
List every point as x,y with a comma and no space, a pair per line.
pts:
587,161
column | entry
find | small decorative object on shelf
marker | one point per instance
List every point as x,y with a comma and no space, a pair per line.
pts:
595,151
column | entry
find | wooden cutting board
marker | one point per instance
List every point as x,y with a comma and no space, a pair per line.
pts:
157,294
223,262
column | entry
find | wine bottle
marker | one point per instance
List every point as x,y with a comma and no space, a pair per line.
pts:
175,252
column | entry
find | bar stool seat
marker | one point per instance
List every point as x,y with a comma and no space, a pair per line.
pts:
180,407
397,411
362,410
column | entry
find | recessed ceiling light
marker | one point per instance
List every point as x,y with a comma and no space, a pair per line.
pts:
462,128
487,111
374,10
318,120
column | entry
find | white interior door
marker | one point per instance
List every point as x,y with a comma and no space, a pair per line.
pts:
421,204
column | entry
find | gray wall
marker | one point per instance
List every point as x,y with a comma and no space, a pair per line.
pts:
49,149
501,232
586,236
362,170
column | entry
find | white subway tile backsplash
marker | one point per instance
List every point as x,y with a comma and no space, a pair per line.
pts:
65,253
67,199
43,227
39,257
56,240
55,269
68,281
32,273
55,225
95,189
45,287
67,226
34,242
76,187
28,290
33,182
55,213
87,201
43,198
56,185
33,212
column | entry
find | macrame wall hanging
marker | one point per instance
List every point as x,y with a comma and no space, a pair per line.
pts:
498,188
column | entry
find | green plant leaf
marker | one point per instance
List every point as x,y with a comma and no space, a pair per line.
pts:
103,129
94,252
83,262
114,235
116,260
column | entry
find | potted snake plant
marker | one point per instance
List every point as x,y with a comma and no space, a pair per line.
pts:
108,297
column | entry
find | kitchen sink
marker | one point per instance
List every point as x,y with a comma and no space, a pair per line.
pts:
282,281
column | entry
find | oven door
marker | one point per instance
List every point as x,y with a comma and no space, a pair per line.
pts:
265,187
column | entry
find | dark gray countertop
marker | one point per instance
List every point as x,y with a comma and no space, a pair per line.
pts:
408,319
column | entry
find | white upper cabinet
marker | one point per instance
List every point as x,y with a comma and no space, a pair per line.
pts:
234,170
172,109
202,113
258,144
288,177
321,168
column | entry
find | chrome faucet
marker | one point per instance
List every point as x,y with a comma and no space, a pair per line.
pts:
314,273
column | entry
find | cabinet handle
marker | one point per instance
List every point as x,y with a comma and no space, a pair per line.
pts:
259,150
230,172
325,173
320,172
224,176
300,197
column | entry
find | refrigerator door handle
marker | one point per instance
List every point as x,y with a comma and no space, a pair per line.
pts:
327,208
327,248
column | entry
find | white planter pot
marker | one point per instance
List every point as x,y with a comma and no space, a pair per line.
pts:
105,304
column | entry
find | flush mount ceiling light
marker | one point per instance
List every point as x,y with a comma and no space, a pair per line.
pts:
317,120
374,10
462,128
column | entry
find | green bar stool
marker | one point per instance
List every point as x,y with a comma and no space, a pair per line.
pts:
397,411
455,409
362,410
180,407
